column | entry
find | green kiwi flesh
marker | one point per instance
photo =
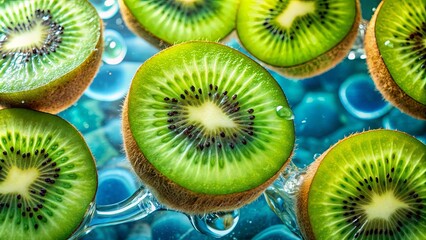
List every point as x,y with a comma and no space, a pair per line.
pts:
300,38
48,176
206,127
371,185
396,53
49,52
167,22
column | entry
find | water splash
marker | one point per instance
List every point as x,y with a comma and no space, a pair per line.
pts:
281,196
106,8
357,51
115,47
284,112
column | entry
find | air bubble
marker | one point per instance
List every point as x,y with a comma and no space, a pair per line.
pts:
115,47
284,112
106,8
112,81
360,98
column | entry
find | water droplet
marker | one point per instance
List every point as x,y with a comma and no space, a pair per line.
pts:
119,21
388,43
106,8
284,112
317,155
216,224
115,47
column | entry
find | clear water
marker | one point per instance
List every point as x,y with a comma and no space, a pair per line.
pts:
115,47
325,108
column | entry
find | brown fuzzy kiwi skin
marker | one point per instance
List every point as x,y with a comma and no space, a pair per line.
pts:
383,79
302,200
327,60
174,196
58,95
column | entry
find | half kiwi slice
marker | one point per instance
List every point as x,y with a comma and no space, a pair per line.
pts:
206,128
299,38
167,22
48,176
49,52
371,185
396,54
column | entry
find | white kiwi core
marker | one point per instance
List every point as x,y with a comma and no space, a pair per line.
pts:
210,116
294,10
18,181
27,39
383,206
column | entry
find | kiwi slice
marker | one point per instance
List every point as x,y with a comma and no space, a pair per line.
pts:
167,22
370,185
396,54
299,38
49,52
48,176
206,128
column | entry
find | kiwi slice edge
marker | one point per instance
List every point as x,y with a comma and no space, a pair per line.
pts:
136,27
325,61
173,195
304,212
382,77
53,206
61,92
133,24
183,198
